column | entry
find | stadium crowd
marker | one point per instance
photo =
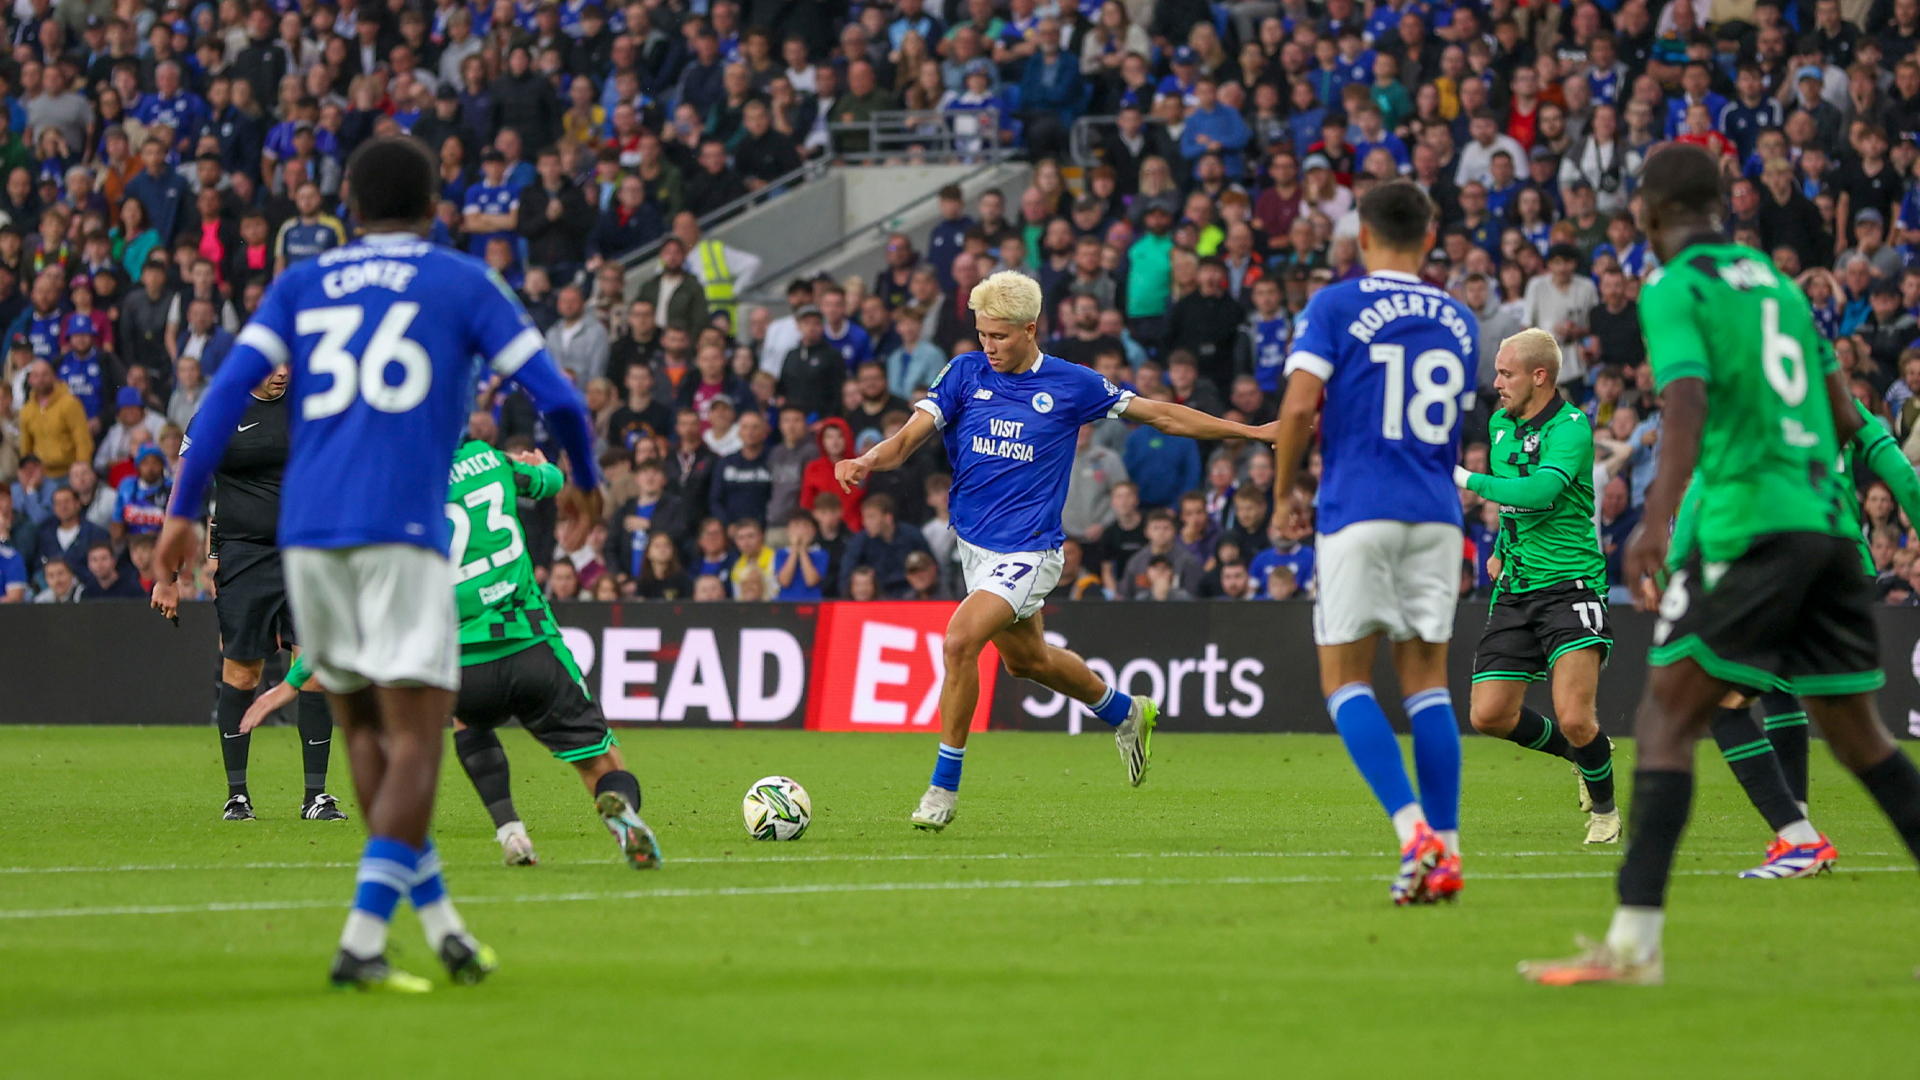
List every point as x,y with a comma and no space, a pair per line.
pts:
163,161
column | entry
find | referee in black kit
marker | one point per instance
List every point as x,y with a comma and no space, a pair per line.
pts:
250,598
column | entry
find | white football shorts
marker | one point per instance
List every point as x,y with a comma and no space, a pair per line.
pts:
1396,578
1023,578
381,615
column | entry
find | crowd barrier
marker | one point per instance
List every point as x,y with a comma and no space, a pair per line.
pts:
835,666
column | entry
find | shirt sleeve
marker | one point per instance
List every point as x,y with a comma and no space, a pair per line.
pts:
947,396
1567,448
1313,350
298,673
1675,348
1882,456
1100,398
536,481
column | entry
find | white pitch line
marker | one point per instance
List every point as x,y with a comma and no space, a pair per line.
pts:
715,860
827,888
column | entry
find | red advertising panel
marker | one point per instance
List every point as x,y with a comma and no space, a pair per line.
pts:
878,667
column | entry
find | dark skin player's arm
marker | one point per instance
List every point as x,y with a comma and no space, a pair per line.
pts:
1846,419
1684,416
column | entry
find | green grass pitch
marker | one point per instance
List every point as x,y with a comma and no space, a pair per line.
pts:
1228,919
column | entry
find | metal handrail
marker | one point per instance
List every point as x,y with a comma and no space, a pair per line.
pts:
1081,136
924,135
880,227
807,171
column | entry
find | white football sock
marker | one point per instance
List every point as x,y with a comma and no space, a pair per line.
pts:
1800,832
1405,819
365,935
1635,933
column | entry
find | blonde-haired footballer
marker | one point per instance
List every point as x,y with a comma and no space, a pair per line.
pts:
1549,612
1010,416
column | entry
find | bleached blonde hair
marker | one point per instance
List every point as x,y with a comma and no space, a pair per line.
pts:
1009,296
1536,348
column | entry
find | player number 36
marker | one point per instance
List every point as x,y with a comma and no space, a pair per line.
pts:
1438,379
365,377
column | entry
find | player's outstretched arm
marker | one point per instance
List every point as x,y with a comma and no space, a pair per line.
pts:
1884,458
890,454
1165,416
564,409
1684,415
1535,492
1294,429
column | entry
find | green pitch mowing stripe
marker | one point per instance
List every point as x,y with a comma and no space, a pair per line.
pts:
1228,920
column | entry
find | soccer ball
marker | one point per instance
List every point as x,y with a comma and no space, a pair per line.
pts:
777,808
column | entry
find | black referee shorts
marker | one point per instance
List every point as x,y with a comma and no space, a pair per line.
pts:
251,602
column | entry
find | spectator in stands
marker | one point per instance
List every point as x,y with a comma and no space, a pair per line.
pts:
835,441
882,546
690,467
743,481
674,291
98,504
32,492
555,218
914,363
714,184
69,536
1559,302
62,585
1187,385
53,425
876,399
631,223
1161,537
813,370
1097,471
1163,466
800,568
108,582
578,343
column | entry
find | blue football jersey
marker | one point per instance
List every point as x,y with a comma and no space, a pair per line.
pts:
1011,440
43,333
384,337
1395,354
1270,350
484,198
83,377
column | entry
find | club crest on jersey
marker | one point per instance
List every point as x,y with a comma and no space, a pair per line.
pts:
1531,442
1043,402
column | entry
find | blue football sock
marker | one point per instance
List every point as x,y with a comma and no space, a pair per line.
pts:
1370,742
387,868
386,873
1436,756
946,767
428,887
438,919
1113,707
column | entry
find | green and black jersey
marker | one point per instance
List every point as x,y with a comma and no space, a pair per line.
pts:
1543,480
1872,452
1722,314
501,609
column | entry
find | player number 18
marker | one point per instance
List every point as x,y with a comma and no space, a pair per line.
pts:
1428,391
